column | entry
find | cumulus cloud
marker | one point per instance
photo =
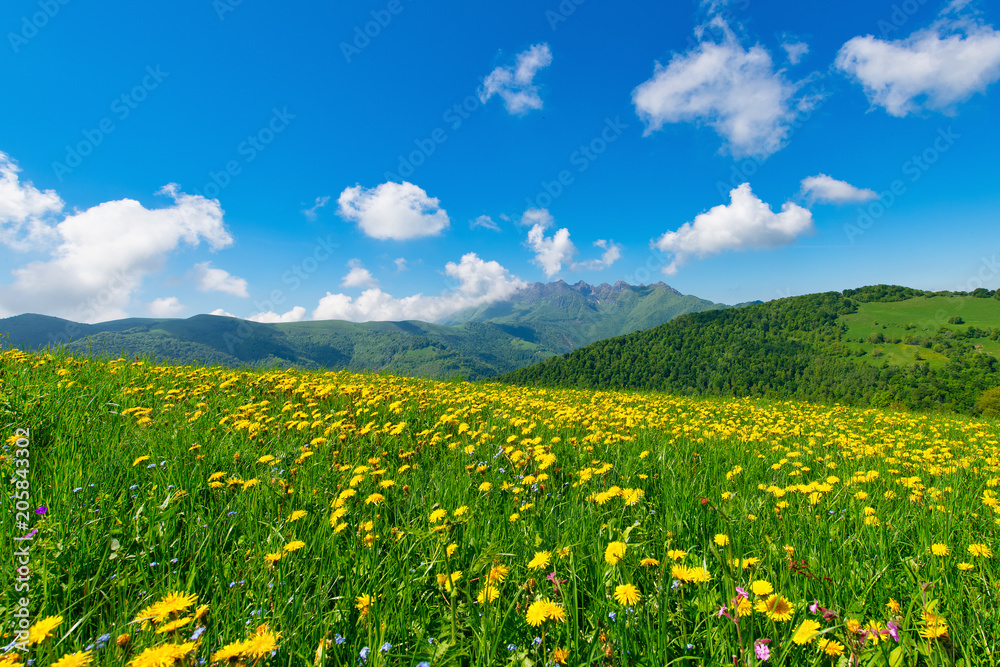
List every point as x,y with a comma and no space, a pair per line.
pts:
552,252
935,68
734,90
165,307
221,313
514,83
296,314
26,213
398,211
796,51
311,213
210,279
745,223
103,253
486,222
400,263
476,282
823,188
358,276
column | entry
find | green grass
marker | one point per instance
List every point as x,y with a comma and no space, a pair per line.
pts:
923,316
790,485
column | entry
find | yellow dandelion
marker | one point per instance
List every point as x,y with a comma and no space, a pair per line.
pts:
831,647
761,588
228,652
537,613
627,595
540,560
806,632
649,562
295,545
296,515
940,549
721,539
363,604
42,629
980,551
776,608
498,573
173,626
614,553
79,659
555,611
261,643
164,655
437,515
489,593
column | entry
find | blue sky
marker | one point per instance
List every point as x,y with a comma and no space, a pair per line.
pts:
405,159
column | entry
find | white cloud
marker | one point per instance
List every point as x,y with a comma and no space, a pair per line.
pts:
296,314
612,253
537,217
796,51
485,222
400,263
398,211
218,280
221,313
823,188
358,276
311,213
26,213
165,307
745,223
478,282
935,68
551,252
734,90
515,83
103,253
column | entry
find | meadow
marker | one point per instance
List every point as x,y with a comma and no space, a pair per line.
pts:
184,515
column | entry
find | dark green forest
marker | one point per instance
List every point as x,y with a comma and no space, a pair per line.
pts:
799,348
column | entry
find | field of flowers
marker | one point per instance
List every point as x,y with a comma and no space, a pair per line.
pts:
189,515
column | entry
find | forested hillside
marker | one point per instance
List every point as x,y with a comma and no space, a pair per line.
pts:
941,351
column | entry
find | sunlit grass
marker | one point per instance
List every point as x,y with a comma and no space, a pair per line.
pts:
340,519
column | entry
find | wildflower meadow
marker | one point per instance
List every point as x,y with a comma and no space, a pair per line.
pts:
184,515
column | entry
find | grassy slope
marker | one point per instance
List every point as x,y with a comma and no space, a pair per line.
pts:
856,497
919,317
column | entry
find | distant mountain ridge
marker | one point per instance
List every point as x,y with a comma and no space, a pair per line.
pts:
541,321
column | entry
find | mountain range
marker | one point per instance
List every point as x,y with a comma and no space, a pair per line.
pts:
541,321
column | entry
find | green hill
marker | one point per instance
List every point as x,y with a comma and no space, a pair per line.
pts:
542,321
881,346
